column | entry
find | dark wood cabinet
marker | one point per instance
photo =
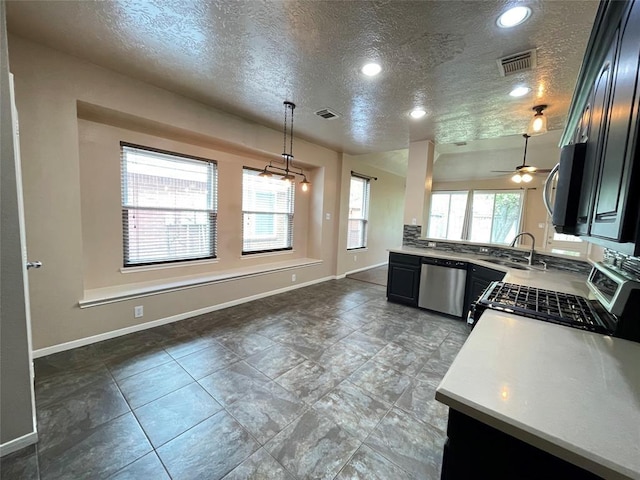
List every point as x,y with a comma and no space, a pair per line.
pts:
478,279
593,132
615,200
604,116
403,281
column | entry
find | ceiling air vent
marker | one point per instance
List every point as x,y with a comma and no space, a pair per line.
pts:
518,62
327,114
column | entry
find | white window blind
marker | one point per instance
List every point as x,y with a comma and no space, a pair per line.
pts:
169,206
358,212
267,213
447,215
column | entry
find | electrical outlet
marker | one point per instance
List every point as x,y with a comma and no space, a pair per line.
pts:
414,221
293,277
431,244
355,258
484,250
327,216
138,311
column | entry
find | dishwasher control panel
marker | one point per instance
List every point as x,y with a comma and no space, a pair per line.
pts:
443,262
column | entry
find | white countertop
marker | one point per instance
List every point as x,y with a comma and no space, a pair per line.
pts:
566,282
572,393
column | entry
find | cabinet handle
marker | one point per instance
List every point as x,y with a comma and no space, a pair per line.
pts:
547,189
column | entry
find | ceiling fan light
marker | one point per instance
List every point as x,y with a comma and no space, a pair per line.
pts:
526,178
265,173
288,177
517,178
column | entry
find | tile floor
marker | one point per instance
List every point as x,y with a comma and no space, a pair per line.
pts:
329,381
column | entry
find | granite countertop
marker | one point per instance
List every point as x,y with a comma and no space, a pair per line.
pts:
572,393
552,279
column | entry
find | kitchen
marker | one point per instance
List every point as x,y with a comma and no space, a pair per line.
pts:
68,105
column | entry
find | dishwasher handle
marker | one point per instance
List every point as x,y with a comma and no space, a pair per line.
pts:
445,262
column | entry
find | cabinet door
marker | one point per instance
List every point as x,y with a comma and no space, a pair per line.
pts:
402,284
595,128
614,199
477,282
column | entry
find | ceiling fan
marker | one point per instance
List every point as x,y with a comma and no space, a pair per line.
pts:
524,173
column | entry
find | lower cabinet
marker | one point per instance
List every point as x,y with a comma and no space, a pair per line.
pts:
476,450
403,281
478,279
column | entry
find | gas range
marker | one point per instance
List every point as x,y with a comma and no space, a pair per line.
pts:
614,312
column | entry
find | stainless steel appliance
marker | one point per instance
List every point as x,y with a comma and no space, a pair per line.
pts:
614,312
442,285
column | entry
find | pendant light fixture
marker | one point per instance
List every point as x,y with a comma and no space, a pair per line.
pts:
289,172
538,124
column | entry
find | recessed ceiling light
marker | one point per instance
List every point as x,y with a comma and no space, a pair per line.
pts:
371,69
417,113
519,91
514,16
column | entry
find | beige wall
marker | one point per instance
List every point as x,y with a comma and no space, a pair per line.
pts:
534,211
386,206
71,184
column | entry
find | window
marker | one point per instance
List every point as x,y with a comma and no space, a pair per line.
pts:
565,244
358,212
267,213
446,218
495,216
168,206
483,216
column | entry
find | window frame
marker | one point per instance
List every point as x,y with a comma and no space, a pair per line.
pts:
291,216
365,217
468,214
211,213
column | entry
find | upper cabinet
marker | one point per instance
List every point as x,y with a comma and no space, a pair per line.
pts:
604,115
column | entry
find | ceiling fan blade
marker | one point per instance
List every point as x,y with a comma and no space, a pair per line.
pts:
542,170
502,171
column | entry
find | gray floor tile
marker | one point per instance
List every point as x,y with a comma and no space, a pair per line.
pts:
363,343
354,409
102,452
131,343
148,467
313,447
414,446
54,388
234,382
139,361
154,383
245,345
366,464
419,401
77,358
266,411
399,358
275,361
22,465
308,381
169,416
380,380
259,466
418,343
341,359
184,345
71,419
208,360
209,450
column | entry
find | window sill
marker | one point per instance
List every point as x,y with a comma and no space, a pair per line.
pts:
164,266
107,295
360,249
249,256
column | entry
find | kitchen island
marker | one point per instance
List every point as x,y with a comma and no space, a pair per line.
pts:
572,394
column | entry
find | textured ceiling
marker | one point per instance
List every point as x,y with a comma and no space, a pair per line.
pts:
247,57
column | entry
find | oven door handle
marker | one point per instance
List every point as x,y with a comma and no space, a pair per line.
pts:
547,189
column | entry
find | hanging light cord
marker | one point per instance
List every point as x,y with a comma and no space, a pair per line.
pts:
526,141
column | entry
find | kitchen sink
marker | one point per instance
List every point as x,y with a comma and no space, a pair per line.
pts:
506,263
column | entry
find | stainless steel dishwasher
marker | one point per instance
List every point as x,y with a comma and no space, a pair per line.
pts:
442,285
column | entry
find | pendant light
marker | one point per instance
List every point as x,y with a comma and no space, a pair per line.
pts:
289,172
538,124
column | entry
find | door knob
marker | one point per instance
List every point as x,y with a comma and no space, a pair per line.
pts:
33,265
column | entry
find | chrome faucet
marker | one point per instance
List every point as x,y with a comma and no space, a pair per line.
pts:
533,245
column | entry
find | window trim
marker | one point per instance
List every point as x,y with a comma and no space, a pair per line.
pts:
213,214
468,216
292,214
365,217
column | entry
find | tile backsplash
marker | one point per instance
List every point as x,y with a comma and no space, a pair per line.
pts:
629,265
411,238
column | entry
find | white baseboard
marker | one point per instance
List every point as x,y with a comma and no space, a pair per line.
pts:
363,269
81,342
18,443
